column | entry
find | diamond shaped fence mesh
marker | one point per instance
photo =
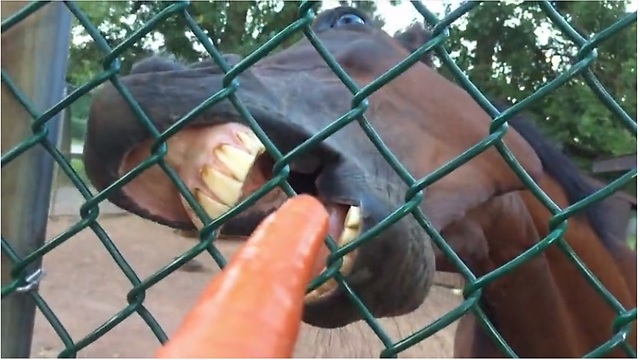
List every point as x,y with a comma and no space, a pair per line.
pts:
23,274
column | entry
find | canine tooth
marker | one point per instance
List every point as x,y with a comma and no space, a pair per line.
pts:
252,142
228,190
353,218
212,207
237,161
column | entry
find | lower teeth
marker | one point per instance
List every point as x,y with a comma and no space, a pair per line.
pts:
351,230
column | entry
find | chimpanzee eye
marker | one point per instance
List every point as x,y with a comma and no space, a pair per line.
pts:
348,19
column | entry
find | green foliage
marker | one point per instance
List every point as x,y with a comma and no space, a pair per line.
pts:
79,113
78,166
233,26
510,50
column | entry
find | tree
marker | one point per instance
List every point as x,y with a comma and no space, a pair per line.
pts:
510,50
232,26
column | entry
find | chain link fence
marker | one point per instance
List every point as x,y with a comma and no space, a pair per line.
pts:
21,276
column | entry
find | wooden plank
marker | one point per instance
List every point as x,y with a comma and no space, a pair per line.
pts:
619,194
618,163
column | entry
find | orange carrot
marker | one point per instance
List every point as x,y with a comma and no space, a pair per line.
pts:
253,309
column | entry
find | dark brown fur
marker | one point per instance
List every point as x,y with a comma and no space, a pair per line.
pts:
562,293
542,308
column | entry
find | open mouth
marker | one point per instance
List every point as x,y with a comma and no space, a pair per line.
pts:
230,163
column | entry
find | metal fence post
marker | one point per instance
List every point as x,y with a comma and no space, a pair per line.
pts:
63,143
35,54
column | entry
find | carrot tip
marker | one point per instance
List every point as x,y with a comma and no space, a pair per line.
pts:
253,286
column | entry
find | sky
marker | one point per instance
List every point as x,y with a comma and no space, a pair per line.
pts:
399,16
395,17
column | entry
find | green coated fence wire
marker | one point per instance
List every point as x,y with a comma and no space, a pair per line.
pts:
89,211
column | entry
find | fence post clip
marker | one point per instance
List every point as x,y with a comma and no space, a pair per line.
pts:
31,281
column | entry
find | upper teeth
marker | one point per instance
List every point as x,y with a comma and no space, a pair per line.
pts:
227,189
237,161
212,207
226,184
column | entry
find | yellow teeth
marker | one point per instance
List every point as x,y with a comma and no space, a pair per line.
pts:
237,161
352,228
225,188
251,142
212,207
352,224
353,218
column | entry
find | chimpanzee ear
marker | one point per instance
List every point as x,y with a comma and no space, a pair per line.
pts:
414,37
